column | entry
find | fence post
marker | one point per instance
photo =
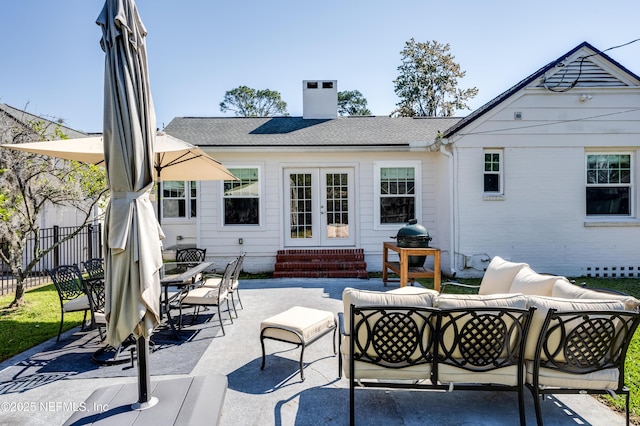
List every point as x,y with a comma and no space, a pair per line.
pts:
100,248
90,241
56,250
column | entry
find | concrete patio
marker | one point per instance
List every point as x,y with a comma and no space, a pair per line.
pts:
276,395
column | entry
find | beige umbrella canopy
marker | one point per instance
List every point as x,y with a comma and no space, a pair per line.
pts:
174,159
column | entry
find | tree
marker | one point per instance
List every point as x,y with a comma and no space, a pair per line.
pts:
28,183
248,102
428,80
352,102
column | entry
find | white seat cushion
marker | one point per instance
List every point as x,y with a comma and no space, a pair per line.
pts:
501,376
366,370
203,296
80,303
298,321
603,379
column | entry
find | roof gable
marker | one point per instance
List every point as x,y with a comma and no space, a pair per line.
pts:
582,66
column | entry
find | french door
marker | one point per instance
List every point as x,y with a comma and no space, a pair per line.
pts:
319,207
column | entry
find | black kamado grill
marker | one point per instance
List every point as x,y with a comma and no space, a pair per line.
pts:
413,235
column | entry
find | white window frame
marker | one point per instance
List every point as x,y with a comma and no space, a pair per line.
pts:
499,173
260,198
377,168
630,184
188,199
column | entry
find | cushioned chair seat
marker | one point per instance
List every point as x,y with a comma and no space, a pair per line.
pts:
501,376
603,379
202,296
80,303
372,371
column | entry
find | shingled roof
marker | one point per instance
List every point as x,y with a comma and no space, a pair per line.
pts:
20,117
351,131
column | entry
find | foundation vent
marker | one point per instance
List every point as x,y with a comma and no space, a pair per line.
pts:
613,272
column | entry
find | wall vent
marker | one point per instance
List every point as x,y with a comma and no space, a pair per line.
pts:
613,272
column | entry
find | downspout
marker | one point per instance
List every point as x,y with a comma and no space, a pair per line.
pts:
452,191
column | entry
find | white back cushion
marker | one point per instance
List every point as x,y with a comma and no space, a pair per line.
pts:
453,301
361,298
529,282
499,275
566,290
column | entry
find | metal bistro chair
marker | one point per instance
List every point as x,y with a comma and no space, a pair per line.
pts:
94,268
94,287
191,255
207,296
213,281
71,290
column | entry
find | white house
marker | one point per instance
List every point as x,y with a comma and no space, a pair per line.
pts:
317,181
546,173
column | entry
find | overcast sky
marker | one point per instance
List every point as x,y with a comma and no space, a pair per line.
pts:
52,64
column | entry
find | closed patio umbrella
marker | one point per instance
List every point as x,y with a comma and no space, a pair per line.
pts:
132,234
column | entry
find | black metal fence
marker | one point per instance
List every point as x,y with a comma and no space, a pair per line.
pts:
85,245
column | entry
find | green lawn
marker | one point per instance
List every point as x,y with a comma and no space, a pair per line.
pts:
38,320
34,322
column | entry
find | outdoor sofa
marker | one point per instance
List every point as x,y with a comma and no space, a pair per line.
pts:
522,330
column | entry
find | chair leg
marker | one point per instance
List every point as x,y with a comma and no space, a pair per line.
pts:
220,319
84,320
239,300
536,404
60,328
229,311
233,303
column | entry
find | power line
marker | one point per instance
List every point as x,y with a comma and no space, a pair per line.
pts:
582,59
549,124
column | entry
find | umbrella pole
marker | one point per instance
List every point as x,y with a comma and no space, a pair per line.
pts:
144,379
159,182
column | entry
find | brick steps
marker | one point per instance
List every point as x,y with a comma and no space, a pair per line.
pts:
324,263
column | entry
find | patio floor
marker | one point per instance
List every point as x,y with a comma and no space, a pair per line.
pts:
276,396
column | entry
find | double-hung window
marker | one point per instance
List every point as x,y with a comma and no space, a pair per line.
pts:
241,198
397,192
608,187
493,171
179,199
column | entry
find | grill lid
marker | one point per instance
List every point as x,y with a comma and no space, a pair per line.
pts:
413,231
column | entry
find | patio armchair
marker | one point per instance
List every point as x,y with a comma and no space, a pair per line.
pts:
71,291
94,288
207,296
191,255
214,280
94,268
